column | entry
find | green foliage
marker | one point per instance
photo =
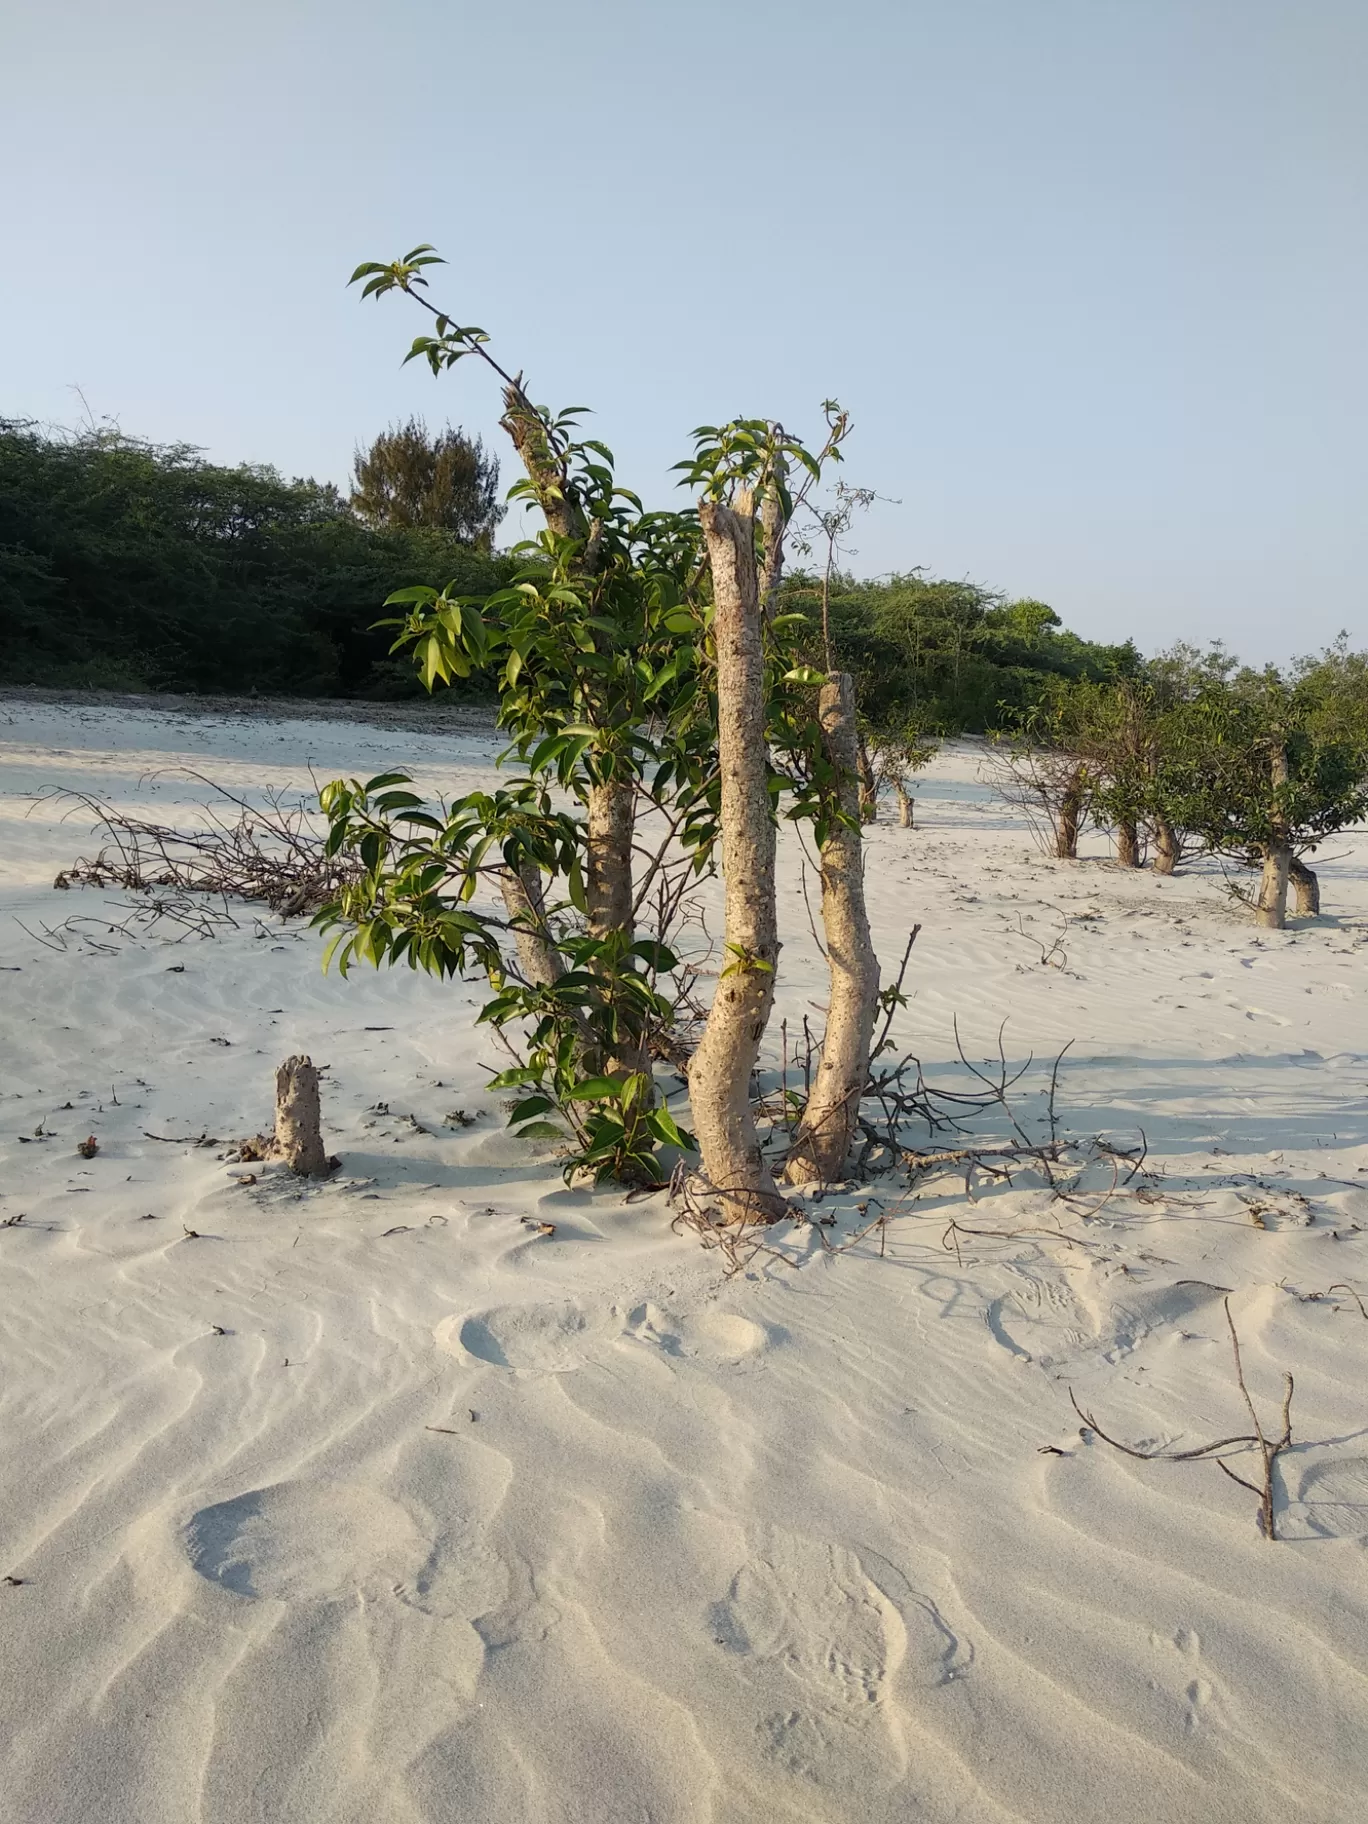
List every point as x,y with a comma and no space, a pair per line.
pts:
414,904
447,483
136,565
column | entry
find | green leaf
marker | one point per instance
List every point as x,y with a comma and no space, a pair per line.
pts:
596,1089
541,1130
529,1106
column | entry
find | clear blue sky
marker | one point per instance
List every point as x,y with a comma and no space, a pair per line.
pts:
1090,274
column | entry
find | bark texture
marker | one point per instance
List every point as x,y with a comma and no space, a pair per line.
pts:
720,1071
1165,846
1305,885
1128,845
525,904
1277,854
823,1141
905,809
772,538
563,513
608,863
1070,815
298,1123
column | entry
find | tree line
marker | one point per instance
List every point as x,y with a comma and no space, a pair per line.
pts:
133,565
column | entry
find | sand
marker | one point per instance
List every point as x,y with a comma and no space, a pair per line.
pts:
367,1502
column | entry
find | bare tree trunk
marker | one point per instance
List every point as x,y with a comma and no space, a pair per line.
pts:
298,1122
1165,846
869,784
905,807
1277,854
1127,845
608,864
1271,911
823,1141
1070,815
720,1070
1306,886
538,957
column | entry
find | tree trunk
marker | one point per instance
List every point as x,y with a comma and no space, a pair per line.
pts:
298,1123
538,957
1070,815
720,1070
1271,911
1165,846
1306,886
823,1141
1127,845
905,807
608,863
1277,853
869,784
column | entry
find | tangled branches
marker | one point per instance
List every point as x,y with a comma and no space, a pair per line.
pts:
267,854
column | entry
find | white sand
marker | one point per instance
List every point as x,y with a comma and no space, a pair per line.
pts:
454,1522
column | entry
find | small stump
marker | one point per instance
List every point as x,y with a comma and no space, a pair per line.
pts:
298,1124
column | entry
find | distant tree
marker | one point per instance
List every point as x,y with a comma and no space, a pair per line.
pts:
447,482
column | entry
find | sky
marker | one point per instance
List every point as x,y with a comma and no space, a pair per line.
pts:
1089,275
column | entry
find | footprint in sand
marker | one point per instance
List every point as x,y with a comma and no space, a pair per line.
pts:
1197,1693
552,1338
1040,1321
304,1542
816,1641
714,1336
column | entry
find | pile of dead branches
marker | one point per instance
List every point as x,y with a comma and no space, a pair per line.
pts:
268,853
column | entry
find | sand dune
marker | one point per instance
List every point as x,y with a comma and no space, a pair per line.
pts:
365,1502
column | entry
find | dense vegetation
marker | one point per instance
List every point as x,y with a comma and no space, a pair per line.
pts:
947,657
132,565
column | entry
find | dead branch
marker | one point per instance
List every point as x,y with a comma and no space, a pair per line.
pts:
270,853
1269,1449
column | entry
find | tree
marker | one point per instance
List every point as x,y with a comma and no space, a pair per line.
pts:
642,666
445,482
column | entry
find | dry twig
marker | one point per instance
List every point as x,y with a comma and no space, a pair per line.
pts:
1269,1449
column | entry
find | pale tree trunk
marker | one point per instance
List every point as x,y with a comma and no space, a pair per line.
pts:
1277,855
1127,845
1271,911
525,904
298,1122
905,807
1305,885
1070,815
720,1070
824,1139
1165,846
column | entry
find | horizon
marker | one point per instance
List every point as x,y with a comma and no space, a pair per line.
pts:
1101,350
